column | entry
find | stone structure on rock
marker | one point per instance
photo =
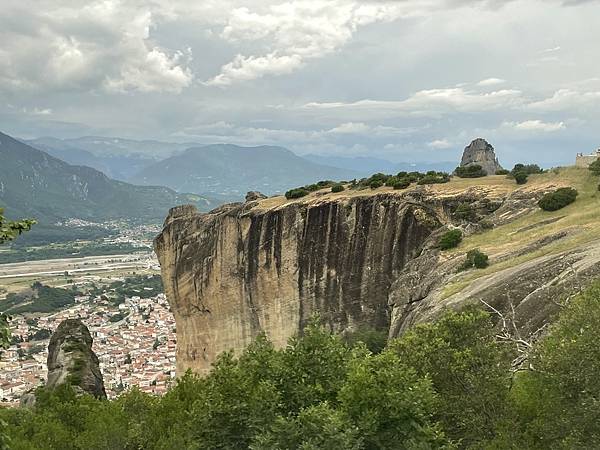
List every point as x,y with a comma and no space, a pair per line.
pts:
71,359
481,152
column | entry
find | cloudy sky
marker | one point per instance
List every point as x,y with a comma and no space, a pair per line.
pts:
404,79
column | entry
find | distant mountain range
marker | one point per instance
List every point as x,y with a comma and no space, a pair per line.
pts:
221,171
36,184
233,170
118,158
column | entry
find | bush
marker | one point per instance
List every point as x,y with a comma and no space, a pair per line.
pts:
402,183
558,199
434,178
414,176
472,171
595,167
296,193
391,181
464,211
374,184
502,172
528,169
337,188
521,171
450,239
520,177
477,259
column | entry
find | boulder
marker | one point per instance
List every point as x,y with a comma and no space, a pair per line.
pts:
254,195
481,152
71,359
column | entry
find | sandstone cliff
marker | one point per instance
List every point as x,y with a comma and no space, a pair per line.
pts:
367,258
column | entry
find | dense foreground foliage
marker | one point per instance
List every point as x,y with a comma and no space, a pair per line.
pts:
451,384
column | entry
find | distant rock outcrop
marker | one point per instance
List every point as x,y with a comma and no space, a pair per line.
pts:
481,152
254,195
71,359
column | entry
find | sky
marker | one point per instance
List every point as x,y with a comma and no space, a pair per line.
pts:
404,80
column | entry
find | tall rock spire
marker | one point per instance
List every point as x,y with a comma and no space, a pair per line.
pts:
71,359
482,153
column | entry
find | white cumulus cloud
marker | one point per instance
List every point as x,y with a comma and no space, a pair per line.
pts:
439,144
295,32
536,125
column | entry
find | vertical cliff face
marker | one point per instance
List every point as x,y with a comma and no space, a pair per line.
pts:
245,269
368,258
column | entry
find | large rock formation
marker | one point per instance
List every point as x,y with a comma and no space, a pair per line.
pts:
482,153
71,359
362,258
247,268
234,273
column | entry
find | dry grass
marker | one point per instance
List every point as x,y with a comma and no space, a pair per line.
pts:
581,217
497,183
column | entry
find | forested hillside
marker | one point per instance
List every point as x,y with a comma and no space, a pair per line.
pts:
465,381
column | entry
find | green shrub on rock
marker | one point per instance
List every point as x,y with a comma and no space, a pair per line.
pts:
472,171
558,199
465,211
520,177
450,239
475,259
296,193
595,167
402,183
337,188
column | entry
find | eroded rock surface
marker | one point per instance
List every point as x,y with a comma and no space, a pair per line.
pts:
234,273
357,260
531,292
482,153
71,359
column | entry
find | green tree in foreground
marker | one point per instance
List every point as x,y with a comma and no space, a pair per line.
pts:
10,229
469,371
442,385
558,403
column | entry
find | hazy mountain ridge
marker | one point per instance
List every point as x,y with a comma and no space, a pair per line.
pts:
119,167
36,184
232,169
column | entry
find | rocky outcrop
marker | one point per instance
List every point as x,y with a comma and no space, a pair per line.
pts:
356,259
254,195
531,292
248,268
71,359
482,153
236,272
